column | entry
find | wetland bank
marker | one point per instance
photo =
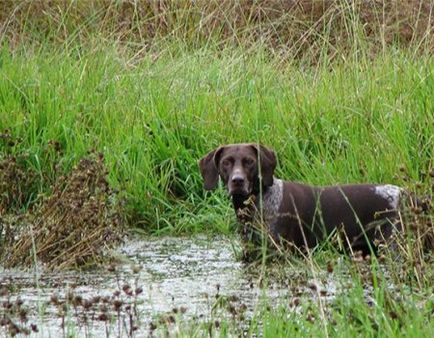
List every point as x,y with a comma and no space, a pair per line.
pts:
105,108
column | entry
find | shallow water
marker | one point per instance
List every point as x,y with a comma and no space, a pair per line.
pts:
176,273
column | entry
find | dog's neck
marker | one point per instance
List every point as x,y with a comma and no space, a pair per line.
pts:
271,198
245,205
263,204
240,201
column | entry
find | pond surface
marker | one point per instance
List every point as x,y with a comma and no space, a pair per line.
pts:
174,277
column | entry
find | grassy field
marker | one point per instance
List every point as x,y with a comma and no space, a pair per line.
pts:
340,97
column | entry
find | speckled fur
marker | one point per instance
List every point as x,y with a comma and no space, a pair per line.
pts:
272,200
391,193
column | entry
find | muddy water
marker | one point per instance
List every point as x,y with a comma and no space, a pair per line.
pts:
184,274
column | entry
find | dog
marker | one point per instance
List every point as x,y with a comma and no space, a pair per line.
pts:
300,215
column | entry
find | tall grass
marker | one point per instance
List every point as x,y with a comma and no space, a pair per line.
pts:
299,27
341,90
153,119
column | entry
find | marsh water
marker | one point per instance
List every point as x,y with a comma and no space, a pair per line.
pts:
176,277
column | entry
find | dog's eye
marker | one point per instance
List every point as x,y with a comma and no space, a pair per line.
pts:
248,161
226,162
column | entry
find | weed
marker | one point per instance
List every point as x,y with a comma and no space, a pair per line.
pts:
73,225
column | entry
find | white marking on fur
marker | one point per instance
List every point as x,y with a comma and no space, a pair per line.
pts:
389,192
236,171
272,200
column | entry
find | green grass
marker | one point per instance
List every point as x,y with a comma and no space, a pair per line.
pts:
350,315
154,117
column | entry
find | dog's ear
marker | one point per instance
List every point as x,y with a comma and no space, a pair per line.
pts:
208,166
268,161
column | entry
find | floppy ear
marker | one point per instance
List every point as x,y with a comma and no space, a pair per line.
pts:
208,166
268,161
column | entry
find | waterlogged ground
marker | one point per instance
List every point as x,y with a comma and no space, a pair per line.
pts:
164,280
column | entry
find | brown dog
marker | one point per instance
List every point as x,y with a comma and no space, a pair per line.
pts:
298,214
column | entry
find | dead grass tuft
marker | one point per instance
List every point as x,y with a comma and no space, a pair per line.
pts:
72,226
17,181
416,243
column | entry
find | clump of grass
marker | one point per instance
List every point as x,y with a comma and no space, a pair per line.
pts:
72,226
410,258
17,184
349,314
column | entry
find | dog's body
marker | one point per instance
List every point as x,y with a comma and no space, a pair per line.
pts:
304,215
299,214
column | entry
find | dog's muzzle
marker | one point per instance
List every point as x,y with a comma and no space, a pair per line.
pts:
238,184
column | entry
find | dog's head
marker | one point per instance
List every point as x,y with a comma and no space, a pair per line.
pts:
242,167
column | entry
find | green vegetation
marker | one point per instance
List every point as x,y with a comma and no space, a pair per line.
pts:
355,121
343,92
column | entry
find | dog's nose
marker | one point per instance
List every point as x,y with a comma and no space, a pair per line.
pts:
238,180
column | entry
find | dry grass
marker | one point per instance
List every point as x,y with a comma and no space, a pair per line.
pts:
312,27
72,226
417,237
16,183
